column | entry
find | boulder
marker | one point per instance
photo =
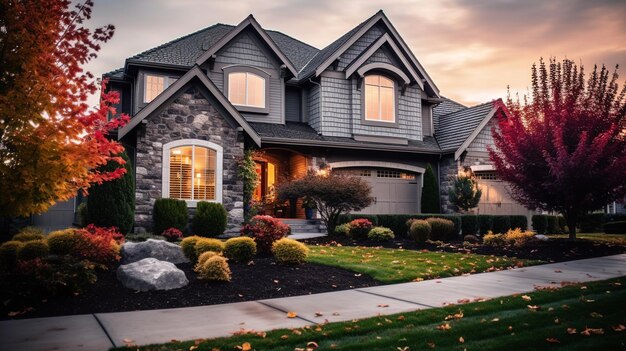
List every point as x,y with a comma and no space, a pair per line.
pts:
159,249
542,237
151,274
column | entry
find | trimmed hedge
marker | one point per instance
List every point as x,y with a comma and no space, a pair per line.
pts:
594,222
485,223
209,220
553,225
615,227
501,224
540,223
520,222
548,224
347,218
469,224
169,213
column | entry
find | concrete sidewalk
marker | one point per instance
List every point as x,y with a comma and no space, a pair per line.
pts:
104,330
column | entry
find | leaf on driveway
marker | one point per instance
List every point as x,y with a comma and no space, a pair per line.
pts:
128,341
292,314
383,305
553,340
619,327
571,331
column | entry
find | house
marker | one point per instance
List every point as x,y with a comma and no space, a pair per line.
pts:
363,105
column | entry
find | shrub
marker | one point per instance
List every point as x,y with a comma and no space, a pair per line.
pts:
347,218
517,237
207,244
380,234
430,192
8,253
469,224
214,268
188,245
615,227
485,222
29,234
397,223
172,234
420,230
494,240
205,256
343,229
32,250
241,249
289,251
170,213
83,214
112,203
592,222
520,222
441,229
540,223
562,224
464,192
473,239
265,230
210,219
501,224
66,242
103,245
359,228
553,225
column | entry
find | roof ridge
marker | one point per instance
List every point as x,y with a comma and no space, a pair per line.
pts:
179,39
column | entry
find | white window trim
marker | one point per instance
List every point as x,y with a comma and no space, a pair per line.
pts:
167,81
219,167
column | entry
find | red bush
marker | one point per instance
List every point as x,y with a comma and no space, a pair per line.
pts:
265,230
360,227
102,245
172,234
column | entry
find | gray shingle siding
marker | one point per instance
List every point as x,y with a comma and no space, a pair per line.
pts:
314,108
477,150
336,108
381,56
245,50
293,108
359,46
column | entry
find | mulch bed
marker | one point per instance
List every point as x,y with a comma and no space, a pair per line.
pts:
262,280
553,250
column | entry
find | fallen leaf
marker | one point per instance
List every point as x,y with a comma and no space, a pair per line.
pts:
571,331
533,307
463,300
557,321
400,318
526,298
558,271
383,305
588,331
311,345
553,340
495,320
431,344
292,315
618,328
284,337
318,314
128,341
596,315
461,340
444,326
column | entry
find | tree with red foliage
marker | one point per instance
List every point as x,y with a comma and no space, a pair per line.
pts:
51,142
564,148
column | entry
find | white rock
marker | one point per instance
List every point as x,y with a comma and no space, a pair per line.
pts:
542,237
159,249
151,274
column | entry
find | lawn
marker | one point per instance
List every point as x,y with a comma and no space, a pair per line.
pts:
580,317
398,265
619,239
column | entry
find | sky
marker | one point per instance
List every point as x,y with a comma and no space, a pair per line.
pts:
472,49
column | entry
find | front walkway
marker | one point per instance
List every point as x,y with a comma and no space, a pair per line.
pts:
104,330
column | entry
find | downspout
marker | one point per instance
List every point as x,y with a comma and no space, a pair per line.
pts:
321,103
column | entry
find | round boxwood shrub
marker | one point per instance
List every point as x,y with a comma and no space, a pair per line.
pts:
420,230
205,256
29,234
32,250
360,227
207,244
343,229
210,219
469,224
65,242
8,253
441,229
289,251
169,213
214,268
172,234
241,249
380,234
188,245
494,240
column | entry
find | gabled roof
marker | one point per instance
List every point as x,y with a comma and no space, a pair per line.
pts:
444,108
250,21
456,127
198,75
184,51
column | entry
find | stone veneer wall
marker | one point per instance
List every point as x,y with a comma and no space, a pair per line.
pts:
447,171
190,116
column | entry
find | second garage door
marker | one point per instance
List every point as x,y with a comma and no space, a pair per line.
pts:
394,191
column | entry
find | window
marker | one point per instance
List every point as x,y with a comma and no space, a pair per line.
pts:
385,173
192,171
380,103
246,89
154,85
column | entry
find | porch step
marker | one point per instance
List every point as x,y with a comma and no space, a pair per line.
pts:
305,227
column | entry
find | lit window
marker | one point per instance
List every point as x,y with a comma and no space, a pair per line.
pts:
192,173
246,89
154,85
379,99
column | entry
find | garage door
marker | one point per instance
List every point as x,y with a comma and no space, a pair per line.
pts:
394,191
495,199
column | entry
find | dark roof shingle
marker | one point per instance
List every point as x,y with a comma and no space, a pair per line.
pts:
455,127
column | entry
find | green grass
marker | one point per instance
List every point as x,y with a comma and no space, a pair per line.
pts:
398,265
619,239
499,324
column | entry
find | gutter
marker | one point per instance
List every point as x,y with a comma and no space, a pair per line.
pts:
342,145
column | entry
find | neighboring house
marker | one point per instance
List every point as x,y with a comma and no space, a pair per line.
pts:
363,105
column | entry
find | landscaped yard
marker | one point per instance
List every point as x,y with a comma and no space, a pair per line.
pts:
582,317
619,239
399,265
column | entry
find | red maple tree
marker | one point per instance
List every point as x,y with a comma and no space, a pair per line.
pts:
564,148
51,141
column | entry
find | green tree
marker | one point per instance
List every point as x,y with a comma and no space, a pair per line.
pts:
430,192
464,193
112,203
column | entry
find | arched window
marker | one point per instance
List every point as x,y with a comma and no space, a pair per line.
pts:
192,171
246,89
380,100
